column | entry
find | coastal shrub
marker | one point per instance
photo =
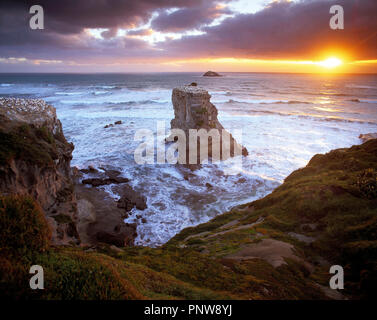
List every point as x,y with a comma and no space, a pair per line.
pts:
23,226
28,144
367,183
75,274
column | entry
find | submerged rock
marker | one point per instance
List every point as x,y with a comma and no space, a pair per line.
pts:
112,124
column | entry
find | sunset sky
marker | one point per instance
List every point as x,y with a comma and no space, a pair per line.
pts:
189,35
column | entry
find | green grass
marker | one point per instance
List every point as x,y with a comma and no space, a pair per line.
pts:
334,194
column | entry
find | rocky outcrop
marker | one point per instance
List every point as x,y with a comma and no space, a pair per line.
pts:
95,182
193,110
130,199
100,220
368,136
35,160
112,125
211,74
100,216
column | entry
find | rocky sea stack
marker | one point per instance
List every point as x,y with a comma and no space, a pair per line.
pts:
194,110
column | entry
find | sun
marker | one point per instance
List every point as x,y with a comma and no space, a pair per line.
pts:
330,63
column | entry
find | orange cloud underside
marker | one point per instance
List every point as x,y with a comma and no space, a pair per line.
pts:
331,64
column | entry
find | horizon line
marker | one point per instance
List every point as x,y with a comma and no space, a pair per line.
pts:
201,72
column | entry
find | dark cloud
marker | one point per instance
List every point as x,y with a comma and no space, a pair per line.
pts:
188,18
65,22
297,30
71,16
288,30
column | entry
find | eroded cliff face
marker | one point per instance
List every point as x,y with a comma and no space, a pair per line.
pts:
193,110
35,160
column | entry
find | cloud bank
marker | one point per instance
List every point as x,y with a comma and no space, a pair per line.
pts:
282,30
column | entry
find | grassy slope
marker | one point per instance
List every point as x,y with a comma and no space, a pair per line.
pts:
333,200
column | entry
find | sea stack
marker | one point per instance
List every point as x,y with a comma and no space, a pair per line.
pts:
193,110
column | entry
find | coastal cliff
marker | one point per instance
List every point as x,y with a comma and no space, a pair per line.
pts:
35,160
193,110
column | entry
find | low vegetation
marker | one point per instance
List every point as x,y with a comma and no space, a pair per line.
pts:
326,212
33,145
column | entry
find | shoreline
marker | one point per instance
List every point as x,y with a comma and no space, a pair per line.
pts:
98,178
294,233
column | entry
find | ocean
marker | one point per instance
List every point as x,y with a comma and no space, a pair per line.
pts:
285,119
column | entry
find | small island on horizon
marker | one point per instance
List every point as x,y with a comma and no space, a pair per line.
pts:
211,74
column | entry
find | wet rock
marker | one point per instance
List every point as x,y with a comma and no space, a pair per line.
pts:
112,125
96,182
241,180
130,199
368,136
92,169
112,173
100,220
